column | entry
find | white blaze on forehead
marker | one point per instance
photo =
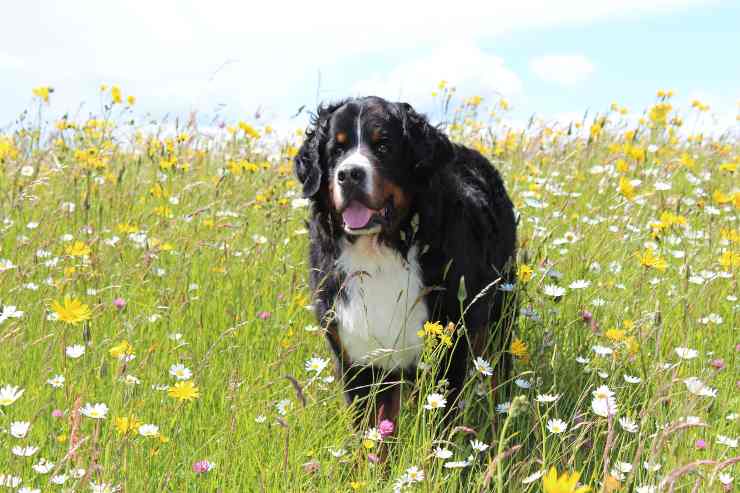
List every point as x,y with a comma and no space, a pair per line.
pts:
355,159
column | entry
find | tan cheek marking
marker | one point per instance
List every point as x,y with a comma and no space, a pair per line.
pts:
376,135
341,137
401,200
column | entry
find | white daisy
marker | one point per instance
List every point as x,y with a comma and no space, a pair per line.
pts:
316,364
483,367
478,446
435,401
149,430
75,351
628,424
442,453
19,429
181,372
57,381
556,426
24,451
579,284
43,466
553,290
686,353
9,394
724,440
547,398
95,411
631,379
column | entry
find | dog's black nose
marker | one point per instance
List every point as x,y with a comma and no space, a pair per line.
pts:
351,176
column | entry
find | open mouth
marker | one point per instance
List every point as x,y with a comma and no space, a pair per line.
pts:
359,219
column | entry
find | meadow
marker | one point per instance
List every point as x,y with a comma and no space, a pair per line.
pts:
158,336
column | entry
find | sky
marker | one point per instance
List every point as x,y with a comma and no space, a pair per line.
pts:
236,60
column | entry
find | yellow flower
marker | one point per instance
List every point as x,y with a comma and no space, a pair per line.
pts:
650,260
43,92
125,424
184,391
78,249
721,198
115,95
524,273
73,311
249,130
431,329
729,259
615,335
626,188
121,349
566,483
519,349
131,100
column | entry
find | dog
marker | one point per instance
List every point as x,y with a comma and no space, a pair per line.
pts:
403,225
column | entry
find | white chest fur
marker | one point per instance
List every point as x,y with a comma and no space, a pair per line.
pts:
383,309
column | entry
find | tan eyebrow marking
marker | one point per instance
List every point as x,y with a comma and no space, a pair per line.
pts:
341,137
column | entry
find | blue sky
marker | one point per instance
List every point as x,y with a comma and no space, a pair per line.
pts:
229,59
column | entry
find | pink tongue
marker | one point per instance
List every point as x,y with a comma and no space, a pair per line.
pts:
356,215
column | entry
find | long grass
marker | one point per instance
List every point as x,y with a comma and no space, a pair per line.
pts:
190,245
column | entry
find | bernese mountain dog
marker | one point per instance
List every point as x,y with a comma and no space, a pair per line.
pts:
402,223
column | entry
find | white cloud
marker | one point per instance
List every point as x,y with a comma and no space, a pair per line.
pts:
462,64
567,70
165,52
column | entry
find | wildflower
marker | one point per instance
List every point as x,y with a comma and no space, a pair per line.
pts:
628,424
478,446
483,367
119,303
203,466
533,477
125,424
283,406
725,479
435,401
57,381
181,372
547,398
10,481
121,350
604,404
42,92
700,444
316,364
651,466
149,430
556,426
524,273
95,411
626,188
602,350
519,349
103,487
115,95
43,466
57,413
631,379
78,249
522,383
337,453
566,483
553,290
686,353
24,451
19,429
457,464
442,453
184,391
9,394
579,284
386,428
75,351
729,442
650,260
73,311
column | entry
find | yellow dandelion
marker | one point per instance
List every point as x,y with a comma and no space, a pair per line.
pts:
184,391
115,95
524,273
615,335
729,259
121,349
626,188
73,311
566,483
131,100
78,249
42,92
519,349
652,261
125,424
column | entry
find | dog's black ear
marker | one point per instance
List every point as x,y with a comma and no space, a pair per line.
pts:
430,148
308,166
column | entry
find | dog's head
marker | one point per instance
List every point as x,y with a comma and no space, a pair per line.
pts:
368,158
